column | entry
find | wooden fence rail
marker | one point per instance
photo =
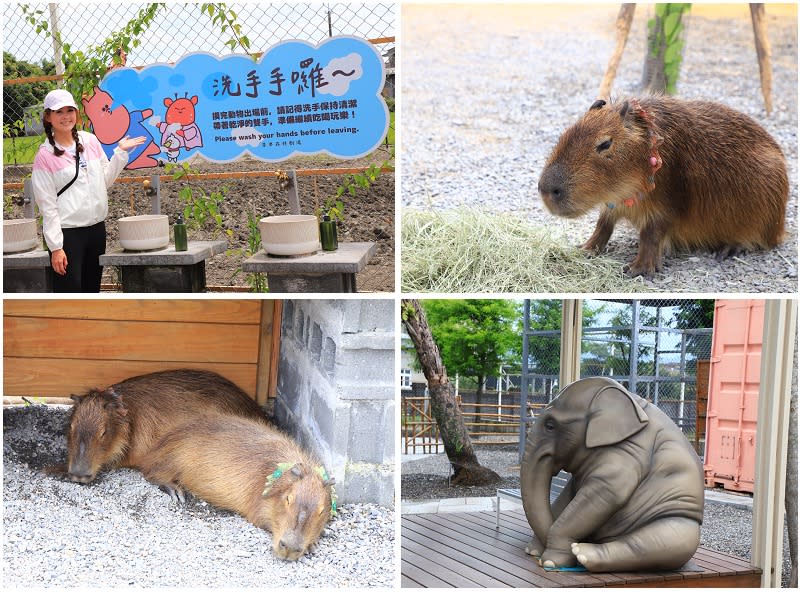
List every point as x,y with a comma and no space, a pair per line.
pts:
497,427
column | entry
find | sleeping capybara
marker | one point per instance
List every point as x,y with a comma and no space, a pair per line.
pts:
685,174
252,468
119,426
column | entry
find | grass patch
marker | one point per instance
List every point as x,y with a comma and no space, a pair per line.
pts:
21,150
469,250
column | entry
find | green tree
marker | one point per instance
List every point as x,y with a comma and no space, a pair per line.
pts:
665,40
455,437
475,337
17,97
695,314
544,352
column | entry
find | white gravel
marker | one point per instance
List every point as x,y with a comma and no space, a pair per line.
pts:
123,531
487,91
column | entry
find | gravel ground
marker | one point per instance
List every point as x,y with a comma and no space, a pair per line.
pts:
726,528
484,107
123,531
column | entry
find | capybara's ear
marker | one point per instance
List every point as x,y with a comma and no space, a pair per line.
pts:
297,470
76,398
329,482
598,104
623,109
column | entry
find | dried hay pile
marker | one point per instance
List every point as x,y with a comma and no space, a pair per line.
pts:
467,250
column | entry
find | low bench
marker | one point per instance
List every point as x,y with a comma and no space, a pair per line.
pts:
27,272
323,271
165,270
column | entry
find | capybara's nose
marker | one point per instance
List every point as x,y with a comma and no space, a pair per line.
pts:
551,183
80,476
290,547
80,472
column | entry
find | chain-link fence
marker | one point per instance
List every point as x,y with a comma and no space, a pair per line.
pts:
175,30
658,349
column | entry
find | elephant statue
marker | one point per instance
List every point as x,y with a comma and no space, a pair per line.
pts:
635,498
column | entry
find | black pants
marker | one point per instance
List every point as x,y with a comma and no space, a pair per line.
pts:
83,247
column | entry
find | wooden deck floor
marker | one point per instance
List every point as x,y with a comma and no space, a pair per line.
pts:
464,550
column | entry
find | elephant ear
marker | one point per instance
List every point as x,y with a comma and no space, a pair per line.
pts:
614,415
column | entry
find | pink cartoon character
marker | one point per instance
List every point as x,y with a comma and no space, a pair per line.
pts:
179,130
111,125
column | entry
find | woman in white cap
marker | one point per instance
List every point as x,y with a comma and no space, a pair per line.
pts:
70,177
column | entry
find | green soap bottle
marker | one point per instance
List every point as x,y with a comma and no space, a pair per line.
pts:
181,244
327,234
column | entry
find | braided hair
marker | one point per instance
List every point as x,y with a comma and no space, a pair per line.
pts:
48,130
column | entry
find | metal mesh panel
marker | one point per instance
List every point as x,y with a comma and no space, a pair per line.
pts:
655,348
179,29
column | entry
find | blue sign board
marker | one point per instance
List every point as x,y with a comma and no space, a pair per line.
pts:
296,99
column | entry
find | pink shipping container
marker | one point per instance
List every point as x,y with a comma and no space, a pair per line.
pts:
734,378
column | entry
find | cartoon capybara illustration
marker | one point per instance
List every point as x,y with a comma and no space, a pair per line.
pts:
179,130
111,125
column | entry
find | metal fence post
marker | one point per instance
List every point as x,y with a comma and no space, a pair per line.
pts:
635,328
27,192
56,36
155,195
292,194
523,395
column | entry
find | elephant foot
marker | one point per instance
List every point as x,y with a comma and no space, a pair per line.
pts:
664,544
534,548
588,555
556,559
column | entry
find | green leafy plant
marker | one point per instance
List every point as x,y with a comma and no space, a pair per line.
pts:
200,209
256,281
333,205
666,40
12,131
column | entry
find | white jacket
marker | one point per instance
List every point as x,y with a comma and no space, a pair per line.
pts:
85,203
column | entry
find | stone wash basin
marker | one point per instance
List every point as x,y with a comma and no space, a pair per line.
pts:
290,235
19,235
144,233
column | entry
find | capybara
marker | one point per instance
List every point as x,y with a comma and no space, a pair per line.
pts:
119,426
686,174
251,468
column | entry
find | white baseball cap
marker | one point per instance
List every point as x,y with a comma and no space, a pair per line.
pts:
58,98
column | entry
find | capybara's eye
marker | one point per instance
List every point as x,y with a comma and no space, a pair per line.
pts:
605,145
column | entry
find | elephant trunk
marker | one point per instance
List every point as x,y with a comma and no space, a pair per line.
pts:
535,477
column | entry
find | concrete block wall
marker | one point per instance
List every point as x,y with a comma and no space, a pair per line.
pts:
336,389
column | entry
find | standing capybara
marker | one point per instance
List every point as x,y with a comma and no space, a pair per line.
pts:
120,425
686,174
251,468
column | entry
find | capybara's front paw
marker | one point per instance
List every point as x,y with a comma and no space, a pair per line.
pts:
552,559
728,251
592,246
642,267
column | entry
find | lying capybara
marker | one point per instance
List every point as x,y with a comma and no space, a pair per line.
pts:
251,468
686,174
119,426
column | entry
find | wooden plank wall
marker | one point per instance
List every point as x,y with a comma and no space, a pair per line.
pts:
53,348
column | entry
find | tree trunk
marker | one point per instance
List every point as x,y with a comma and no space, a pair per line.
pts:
466,468
764,53
624,20
479,392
